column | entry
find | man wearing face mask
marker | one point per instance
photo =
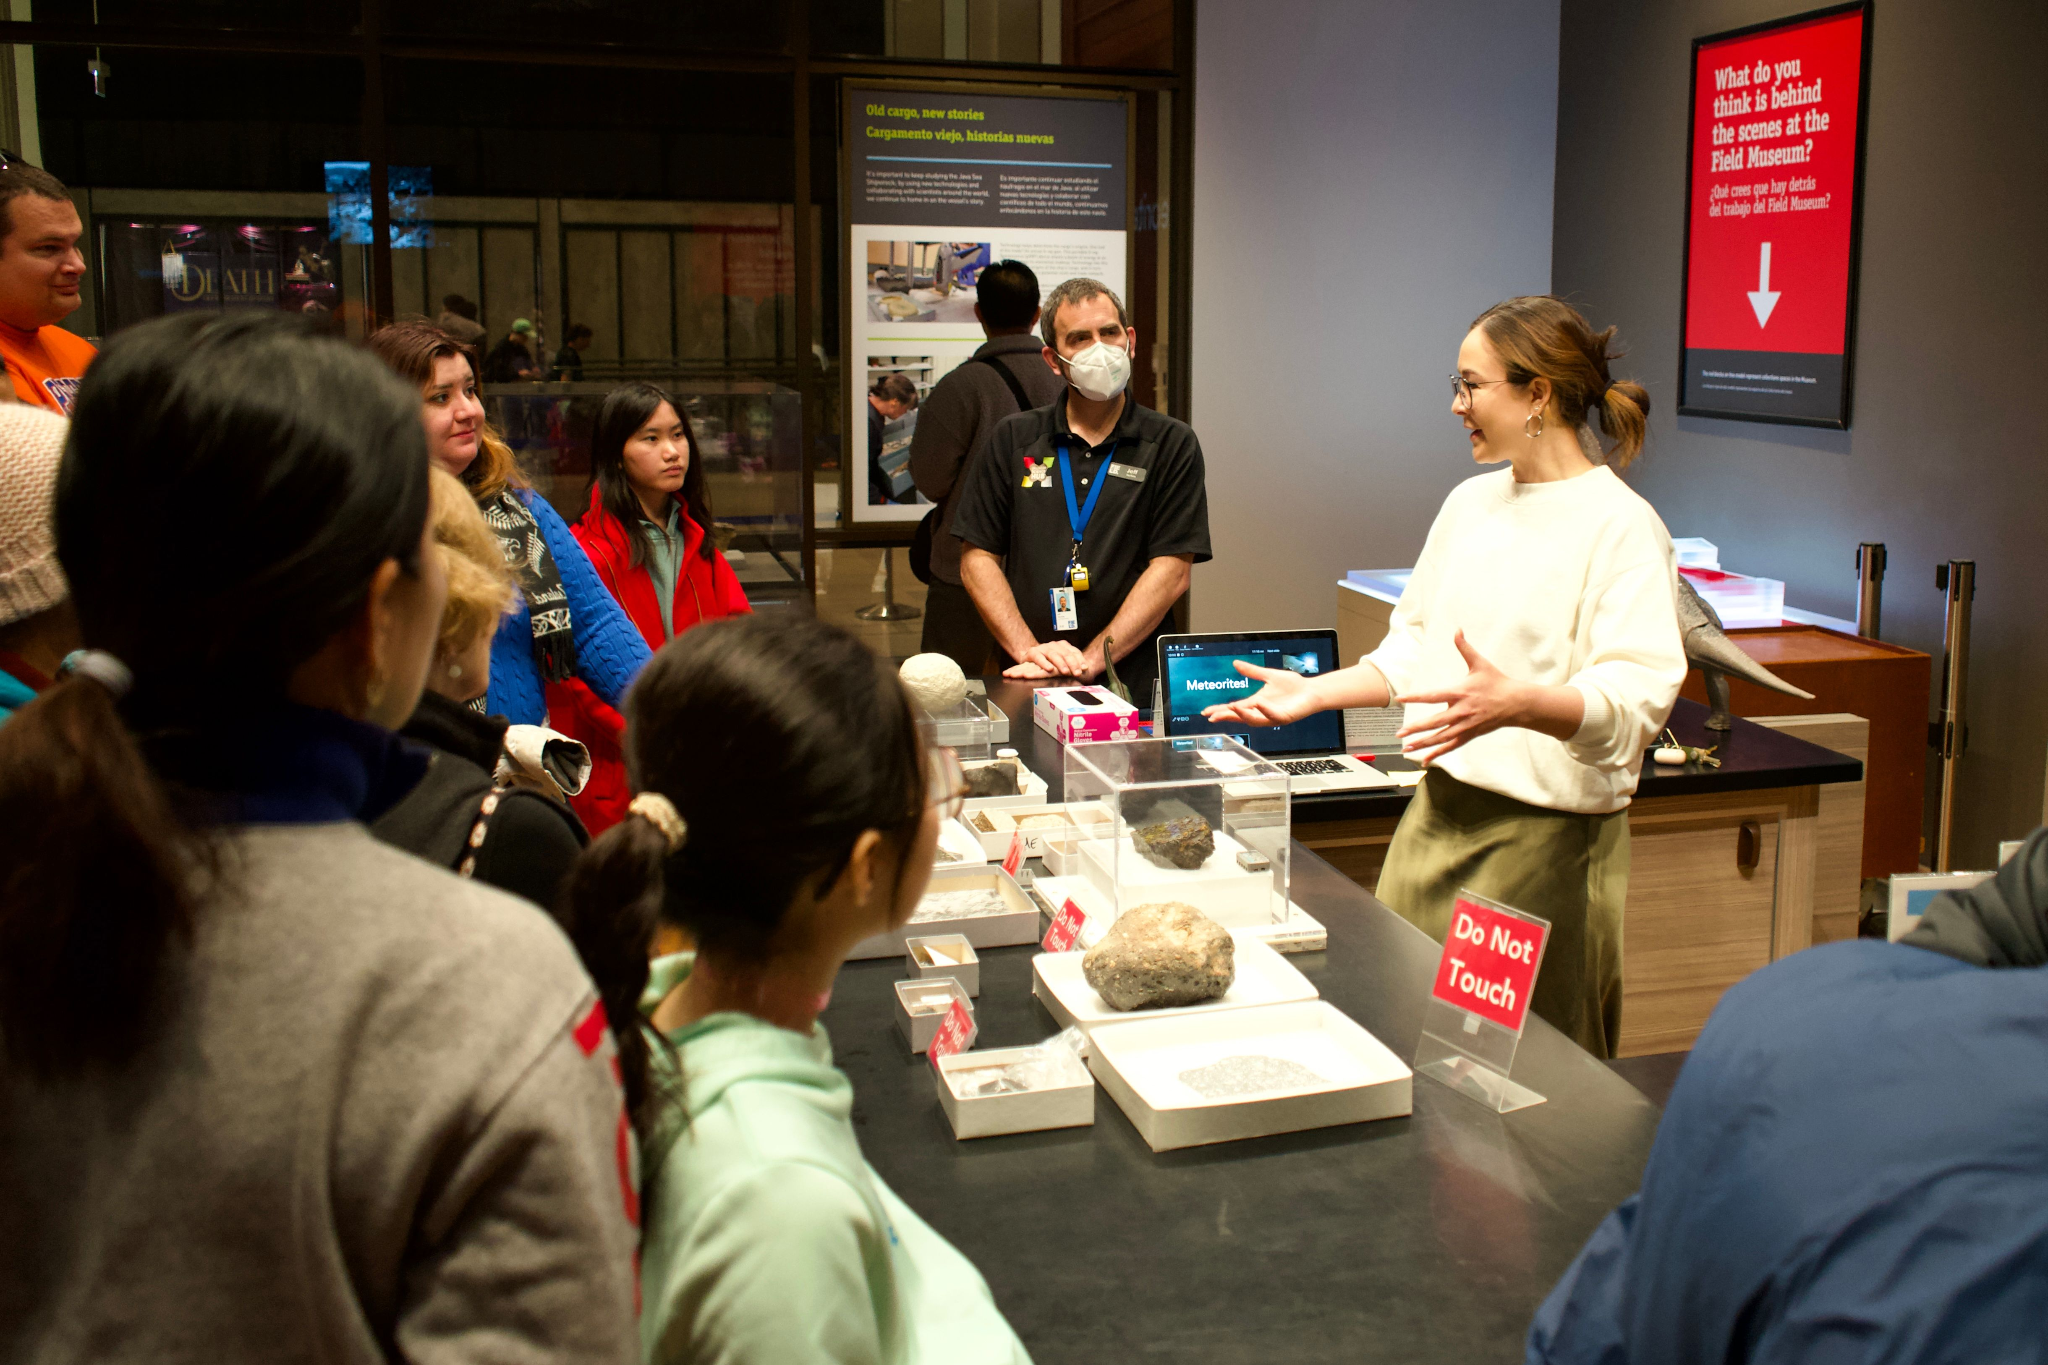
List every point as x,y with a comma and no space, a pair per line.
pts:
1082,519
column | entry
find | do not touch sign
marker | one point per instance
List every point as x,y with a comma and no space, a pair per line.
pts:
1490,960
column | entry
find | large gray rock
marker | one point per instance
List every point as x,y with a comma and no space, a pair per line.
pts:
1159,956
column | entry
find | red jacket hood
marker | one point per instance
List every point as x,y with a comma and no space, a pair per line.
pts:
705,589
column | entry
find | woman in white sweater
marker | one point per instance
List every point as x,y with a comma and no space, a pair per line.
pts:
1537,651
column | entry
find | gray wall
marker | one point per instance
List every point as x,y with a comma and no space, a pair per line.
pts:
1943,457
1368,177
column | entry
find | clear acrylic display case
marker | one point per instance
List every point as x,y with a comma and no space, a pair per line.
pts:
1146,783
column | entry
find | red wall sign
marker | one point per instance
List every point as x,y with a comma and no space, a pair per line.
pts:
1489,963
1772,201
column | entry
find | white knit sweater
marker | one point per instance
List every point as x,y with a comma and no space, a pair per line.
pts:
1571,583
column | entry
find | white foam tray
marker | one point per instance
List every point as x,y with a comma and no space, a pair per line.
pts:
1027,1111
1263,978
1140,1063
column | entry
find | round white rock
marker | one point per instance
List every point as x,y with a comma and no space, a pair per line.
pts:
935,682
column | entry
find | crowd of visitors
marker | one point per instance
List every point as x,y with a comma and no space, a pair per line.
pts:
416,913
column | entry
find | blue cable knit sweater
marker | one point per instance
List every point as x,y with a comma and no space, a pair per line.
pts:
609,650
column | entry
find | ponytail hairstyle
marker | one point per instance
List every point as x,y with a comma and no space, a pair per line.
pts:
231,485
778,740
627,409
1537,336
410,347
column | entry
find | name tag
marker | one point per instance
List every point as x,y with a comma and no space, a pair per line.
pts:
1134,473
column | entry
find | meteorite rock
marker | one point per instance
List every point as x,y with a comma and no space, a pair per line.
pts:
1184,843
982,822
991,779
1159,956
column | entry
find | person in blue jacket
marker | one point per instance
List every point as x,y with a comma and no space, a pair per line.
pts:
566,626
1854,1164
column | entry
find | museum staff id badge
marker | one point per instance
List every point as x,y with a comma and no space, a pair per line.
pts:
1064,614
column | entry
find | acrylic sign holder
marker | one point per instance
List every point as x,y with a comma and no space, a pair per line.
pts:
1479,1002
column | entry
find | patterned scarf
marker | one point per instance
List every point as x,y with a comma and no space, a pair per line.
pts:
554,648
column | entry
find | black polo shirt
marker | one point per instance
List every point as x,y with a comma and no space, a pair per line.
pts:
1013,505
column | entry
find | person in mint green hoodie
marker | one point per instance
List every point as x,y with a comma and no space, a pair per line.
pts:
786,810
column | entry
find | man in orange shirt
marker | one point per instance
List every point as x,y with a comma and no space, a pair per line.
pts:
40,268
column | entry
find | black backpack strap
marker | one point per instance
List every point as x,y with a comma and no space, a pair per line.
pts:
1016,388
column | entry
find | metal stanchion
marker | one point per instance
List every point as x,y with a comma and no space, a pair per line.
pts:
1957,578
889,609
1869,588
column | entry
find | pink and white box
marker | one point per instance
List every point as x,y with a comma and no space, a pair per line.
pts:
1084,715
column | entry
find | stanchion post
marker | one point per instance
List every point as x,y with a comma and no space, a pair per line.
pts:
1869,588
1958,579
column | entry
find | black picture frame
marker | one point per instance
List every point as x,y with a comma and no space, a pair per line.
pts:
1687,407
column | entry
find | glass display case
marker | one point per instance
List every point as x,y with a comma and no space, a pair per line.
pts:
749,436
1201,820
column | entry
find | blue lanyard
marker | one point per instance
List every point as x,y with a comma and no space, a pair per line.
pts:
1078,514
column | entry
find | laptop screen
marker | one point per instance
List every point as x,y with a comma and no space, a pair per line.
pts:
1198,671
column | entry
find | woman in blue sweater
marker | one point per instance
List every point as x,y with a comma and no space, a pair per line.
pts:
566,626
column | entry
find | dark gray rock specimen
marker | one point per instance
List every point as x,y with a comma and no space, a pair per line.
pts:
1184,843
991,779
1160,956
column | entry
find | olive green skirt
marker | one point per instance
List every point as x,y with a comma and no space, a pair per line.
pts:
1568,868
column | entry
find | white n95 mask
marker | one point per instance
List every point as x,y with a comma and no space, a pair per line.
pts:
1100,371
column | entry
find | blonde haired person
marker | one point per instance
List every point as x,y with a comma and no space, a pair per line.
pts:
1537,651
460,815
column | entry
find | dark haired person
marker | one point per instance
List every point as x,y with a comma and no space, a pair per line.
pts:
256,1109
567,627
37,625
807,826
1005,376
1537,652
40,270
889,397
1853,1165
458,320
511,360
648,529
569,360
1086,516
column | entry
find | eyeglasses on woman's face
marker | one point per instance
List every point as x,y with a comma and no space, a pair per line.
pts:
1461,389
947,783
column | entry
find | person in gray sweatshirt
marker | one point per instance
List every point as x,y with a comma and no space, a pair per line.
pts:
270,1089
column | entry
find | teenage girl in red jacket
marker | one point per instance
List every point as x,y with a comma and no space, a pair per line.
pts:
649,514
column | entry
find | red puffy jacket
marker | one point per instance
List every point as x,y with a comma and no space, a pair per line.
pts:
705,590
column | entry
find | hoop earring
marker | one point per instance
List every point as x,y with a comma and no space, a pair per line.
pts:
1537,418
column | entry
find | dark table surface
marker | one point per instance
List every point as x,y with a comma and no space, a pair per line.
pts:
1753,757
1427,1238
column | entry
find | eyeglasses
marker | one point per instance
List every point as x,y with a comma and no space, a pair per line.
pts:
947,783
10,159
1461,388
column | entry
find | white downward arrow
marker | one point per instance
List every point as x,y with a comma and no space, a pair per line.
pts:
1763,298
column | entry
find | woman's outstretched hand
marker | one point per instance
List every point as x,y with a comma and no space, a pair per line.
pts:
1285,697
1485,701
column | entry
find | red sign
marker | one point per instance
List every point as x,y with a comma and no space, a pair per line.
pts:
956,1032
1489,963
1066,928
1771,219
1014,859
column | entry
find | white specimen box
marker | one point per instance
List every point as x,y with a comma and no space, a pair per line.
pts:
937,955
964,728
1141,782
1031,788
921,1006
1204,1078
1001,917
1024,1111
1911,894
961,842
994,827
1263,978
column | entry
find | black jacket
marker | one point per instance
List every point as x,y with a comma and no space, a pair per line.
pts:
528,840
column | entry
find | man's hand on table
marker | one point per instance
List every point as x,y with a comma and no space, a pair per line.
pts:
1055,659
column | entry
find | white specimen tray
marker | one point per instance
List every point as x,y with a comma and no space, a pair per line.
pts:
1301,932
1140,1064
1032,790
996,842
955,837
1263,978
1025,1111
1014,925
